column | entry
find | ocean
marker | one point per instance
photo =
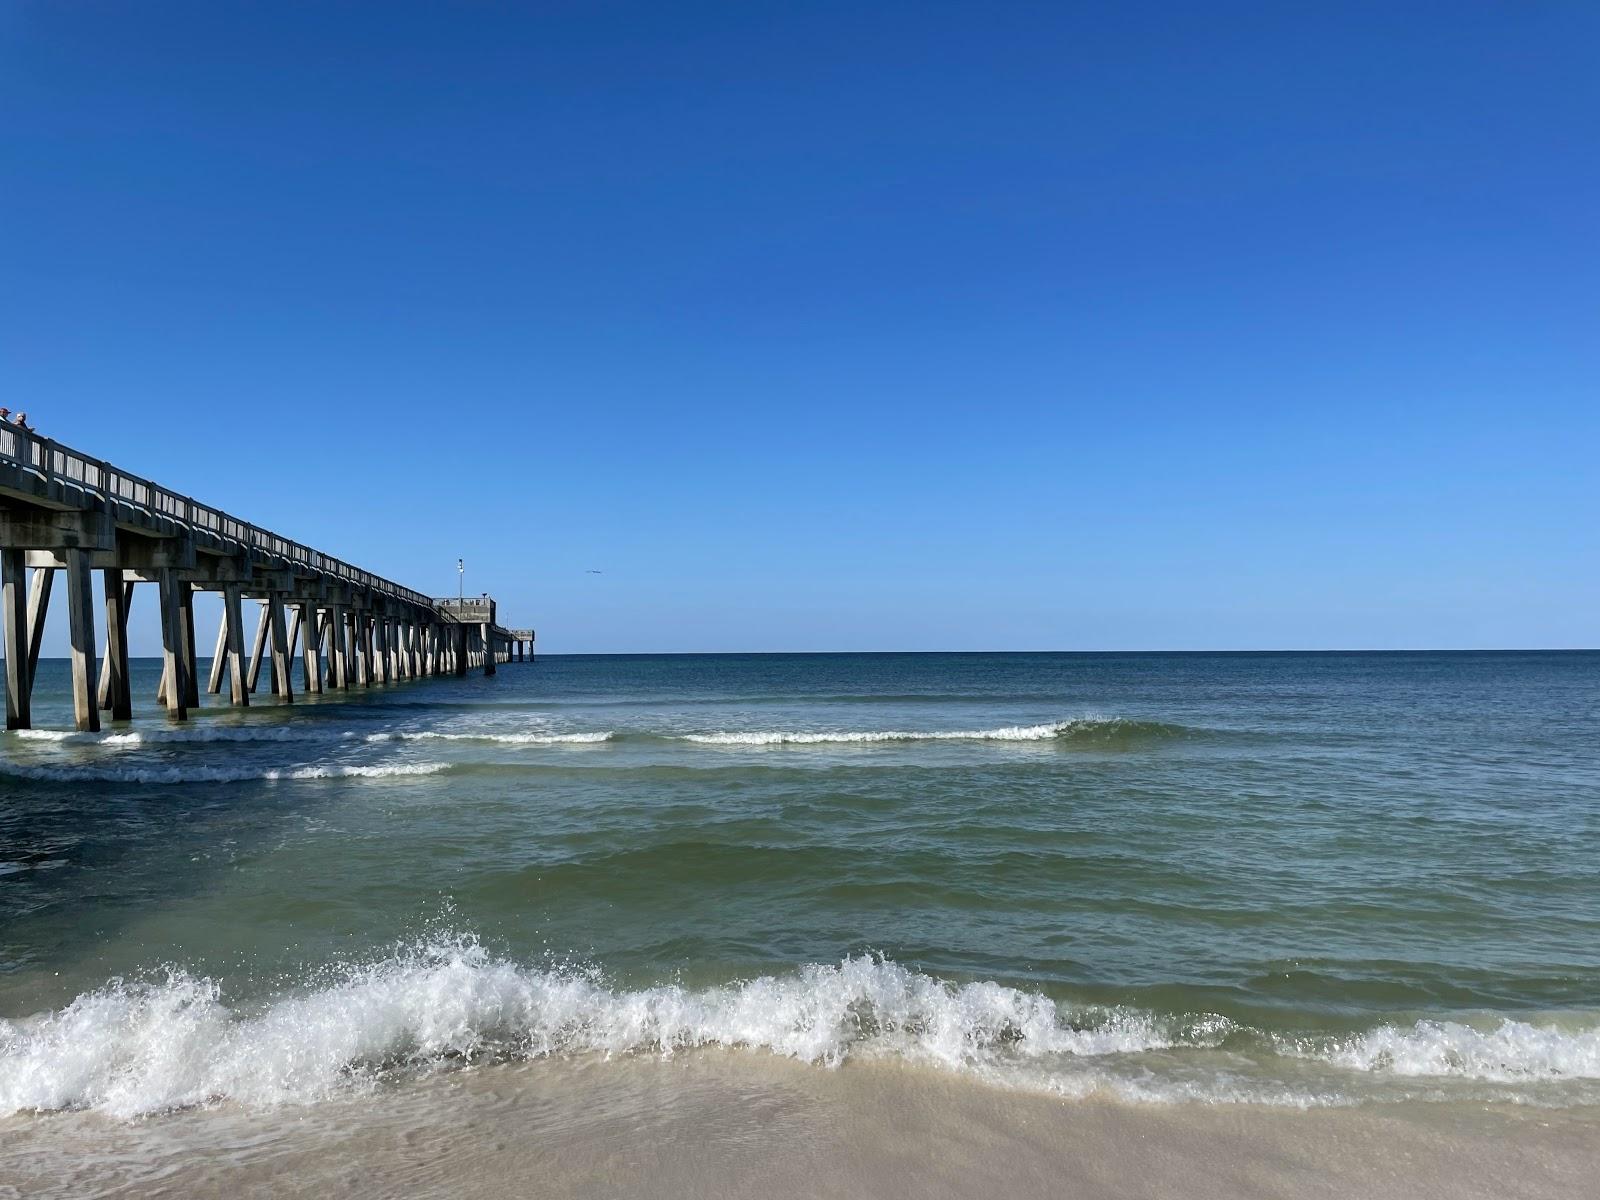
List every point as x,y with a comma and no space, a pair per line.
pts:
1267,883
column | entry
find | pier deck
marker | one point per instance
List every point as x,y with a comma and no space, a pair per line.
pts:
61,510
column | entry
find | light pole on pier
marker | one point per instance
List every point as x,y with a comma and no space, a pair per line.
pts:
461,583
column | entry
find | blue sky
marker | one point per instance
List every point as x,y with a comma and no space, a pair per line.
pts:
841,326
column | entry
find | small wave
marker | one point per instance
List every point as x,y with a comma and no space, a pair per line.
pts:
508,739
1081,730
202,733
1510,1051
129,1049
133,1048
178,774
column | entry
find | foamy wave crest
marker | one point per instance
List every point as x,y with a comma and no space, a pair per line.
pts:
199,733
215,774
508,739
133,1048
130,1049
1008,733
1509,1052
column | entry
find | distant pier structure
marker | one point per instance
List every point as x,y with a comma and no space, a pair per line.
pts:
64,511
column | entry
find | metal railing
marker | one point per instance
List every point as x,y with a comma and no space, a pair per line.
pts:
51,461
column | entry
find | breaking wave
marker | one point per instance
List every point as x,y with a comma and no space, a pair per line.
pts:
199,733
1509,1052
133,1048
1084,731
198,774
508,739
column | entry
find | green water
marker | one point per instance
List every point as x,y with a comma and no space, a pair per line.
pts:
1287,878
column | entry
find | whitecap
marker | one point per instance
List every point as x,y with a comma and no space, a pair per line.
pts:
198,774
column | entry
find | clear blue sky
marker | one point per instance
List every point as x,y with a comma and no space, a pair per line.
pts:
842,325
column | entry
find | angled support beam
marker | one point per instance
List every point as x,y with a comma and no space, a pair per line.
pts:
38,605
293,610
219,656
115,694
259,648
14,601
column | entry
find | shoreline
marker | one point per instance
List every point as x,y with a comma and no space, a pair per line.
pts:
732,1123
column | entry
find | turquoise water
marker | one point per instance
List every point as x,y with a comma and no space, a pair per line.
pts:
1285,878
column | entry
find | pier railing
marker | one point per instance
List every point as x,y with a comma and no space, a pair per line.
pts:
50,462
472,610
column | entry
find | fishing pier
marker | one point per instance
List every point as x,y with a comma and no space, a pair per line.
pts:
64,511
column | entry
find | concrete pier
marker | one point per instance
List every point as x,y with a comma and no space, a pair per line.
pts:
61,510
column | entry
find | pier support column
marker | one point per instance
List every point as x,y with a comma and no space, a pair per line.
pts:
238,680
191,673
460,649
351,645
361,646
282,650
378,638
80,620
14,600
488,650
105,674
173,687
115,693
339,647
311,641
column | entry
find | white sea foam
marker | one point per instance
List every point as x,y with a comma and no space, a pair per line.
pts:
1009,733
1509,1051
129,1049
509,739
133,1048
198,774
197,733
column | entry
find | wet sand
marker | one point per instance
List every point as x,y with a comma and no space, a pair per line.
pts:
735,1124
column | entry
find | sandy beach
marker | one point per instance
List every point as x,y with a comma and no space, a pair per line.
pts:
733,1124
